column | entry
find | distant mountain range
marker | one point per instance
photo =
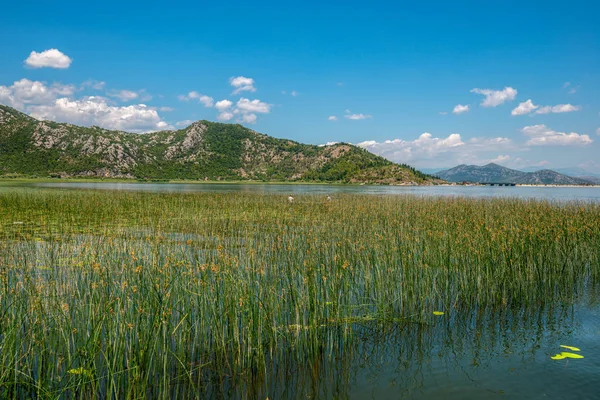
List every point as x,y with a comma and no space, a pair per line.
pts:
494,173
202,151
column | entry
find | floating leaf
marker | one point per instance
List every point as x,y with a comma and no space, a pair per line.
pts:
570,347
571,355
558,357
438,313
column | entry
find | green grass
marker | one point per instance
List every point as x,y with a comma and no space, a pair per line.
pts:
128,295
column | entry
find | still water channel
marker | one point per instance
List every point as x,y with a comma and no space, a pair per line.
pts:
539,192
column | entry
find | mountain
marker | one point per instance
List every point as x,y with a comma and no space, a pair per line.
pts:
494,173
575,172
202,151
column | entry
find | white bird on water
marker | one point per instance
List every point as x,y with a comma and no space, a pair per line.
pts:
290,199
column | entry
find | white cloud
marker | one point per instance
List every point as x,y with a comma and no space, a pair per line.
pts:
24,91
340,83
206,101
95,110
294,93
541,135
494,98
459,109
524,108
91,83
63,90
332,118
184,123
328,144
500,159
249,118
223,105
560,108
51,58
54,103
443,113
123,95
225,116
356,117
242,84
402,150
598,131
166,109
430,151
253,106
528,107
566,85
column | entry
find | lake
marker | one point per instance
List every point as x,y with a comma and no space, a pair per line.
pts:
531,192
472,351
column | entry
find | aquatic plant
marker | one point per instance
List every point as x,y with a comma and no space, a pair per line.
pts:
117,294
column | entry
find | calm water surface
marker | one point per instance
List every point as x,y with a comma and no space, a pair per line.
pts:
540,192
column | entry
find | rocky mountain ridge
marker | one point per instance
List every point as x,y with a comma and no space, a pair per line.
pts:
202,151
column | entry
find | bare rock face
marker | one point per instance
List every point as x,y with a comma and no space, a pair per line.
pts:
45,136
193,139
5,117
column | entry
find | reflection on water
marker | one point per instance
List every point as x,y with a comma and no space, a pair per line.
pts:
541,192
463,355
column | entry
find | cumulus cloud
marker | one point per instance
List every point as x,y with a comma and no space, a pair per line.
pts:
91,83
95,110
206,101
24,91
225,116
249,118
528,107
560,108
223,105
500,159
541,135
494,98
459,109
431,151
242,84
253,106
356,117
332,118
52,58
328,144
55,103
123,95
524,108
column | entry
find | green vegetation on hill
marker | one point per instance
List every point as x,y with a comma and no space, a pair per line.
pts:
202,151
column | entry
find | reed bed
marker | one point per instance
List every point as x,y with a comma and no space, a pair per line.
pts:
133,295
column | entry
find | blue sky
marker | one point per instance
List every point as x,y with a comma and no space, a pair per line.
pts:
386,71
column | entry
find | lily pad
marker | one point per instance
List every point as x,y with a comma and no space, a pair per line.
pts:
438,313
570,347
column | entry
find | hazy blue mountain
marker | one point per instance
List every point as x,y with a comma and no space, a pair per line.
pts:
494,173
